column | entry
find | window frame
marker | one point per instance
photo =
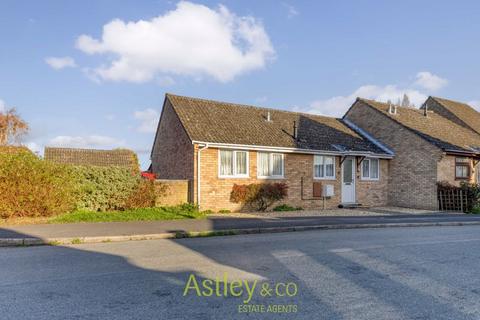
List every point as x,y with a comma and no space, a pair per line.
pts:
334,177
466,164
234,162
270,165
369,178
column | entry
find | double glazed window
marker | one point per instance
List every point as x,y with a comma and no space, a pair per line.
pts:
370,169
324,167
462,168
233,163
270,165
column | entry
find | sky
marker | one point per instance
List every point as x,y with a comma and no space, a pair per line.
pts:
93,74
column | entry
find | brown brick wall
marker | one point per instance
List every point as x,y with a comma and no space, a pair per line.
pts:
215,191
171,192
413,170
446,171
172,156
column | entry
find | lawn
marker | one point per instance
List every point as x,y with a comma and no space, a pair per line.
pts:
146,214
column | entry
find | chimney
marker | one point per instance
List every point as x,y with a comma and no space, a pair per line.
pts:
425,109
295,130
268,116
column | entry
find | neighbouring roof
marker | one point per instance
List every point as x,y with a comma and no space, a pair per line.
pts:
435,128
117,157
228,123
462,111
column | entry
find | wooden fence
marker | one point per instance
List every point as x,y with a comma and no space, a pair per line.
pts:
453,200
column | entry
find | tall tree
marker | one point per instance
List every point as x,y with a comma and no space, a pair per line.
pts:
405,101
12,127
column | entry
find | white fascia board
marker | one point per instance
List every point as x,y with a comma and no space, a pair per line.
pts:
293,150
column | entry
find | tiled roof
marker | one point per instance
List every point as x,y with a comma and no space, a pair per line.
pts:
438,130
462,111
228,123
117,157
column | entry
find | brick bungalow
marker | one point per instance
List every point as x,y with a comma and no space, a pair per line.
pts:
438,142
216,144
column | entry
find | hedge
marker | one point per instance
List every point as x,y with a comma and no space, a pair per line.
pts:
30,186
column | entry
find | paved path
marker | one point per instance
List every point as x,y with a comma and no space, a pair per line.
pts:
391,273
106,229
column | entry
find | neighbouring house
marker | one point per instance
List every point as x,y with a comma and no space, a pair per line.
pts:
458,112
324,161
116,157
439,142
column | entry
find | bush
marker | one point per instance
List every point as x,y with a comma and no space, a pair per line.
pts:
143,196
224,211
286,207
109,188
32,187
261,196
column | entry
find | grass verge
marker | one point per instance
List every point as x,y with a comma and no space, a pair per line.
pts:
145,214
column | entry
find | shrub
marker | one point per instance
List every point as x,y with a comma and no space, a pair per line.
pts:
472,191
286,207
105,188
224,211
261,196
143,196
30,186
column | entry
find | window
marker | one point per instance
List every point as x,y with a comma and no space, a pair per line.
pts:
233,163
370,169
270,165
462,168
324,167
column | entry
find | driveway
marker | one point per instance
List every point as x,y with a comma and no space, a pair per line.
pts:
399,273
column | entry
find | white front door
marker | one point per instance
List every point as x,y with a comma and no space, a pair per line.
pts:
348,180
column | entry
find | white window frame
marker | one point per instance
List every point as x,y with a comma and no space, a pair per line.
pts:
270,166
324,167
234,160
370,170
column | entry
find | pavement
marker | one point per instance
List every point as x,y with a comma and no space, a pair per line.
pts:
384,273
215,225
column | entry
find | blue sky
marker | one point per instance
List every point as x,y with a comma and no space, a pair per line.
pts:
94,73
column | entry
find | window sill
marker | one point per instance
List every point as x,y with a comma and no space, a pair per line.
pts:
326,179
368,179
271,178
233,177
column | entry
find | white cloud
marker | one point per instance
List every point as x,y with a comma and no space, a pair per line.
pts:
193,40
148,120
3,106
337,106
58,63
91,141
475,104
34,147
430,81
291,10
110,117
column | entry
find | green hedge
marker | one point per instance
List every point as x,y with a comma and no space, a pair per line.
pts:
103,188
30,186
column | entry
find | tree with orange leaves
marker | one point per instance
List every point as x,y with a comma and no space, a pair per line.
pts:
12,127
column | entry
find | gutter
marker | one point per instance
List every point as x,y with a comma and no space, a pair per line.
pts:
200,149
294,150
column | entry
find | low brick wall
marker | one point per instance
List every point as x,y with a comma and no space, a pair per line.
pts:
171,192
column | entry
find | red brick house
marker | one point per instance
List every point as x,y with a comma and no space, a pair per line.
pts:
438,142
324,161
